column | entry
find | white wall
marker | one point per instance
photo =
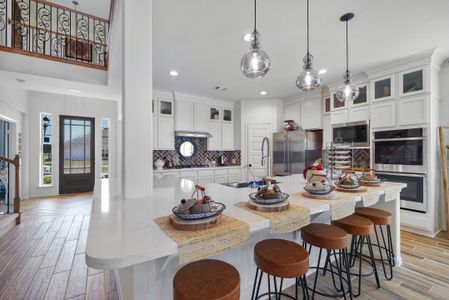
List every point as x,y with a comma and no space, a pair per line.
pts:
72,106
259,111
14,108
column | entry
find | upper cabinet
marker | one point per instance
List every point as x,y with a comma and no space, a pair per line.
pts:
292,112
310,112
200,117
362,99
166,107
214,114
184,117
383,114
327,105
337,104
412,82
227,115
383,88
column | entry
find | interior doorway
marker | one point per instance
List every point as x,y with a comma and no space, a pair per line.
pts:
76,154
5,129
255,135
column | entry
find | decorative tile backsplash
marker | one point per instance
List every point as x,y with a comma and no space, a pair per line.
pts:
362,158
201,157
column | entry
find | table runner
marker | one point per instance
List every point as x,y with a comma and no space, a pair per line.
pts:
339,208
292,219
200,244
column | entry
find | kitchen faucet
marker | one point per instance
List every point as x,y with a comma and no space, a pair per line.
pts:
265,139
248,166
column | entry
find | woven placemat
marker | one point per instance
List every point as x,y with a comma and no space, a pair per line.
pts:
391,190
341,207
292,219
200,244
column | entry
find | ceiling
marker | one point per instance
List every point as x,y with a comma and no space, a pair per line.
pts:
202,40
98,8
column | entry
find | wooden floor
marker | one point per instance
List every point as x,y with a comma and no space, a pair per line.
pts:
43,258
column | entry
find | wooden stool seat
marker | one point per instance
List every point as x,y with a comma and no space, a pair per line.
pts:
324,236
355,225
281,258
206,280
377,216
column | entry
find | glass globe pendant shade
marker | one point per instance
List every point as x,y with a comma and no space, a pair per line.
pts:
256,63
347,92
309,79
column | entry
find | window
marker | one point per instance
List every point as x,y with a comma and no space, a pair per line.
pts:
46,161
105,131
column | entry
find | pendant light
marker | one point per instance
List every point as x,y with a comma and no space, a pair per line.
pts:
348,91
255,63
309,78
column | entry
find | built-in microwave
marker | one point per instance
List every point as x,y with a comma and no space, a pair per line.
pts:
353,132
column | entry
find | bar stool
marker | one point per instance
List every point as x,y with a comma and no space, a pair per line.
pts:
283,259
207,279
360,228
333,240
381,218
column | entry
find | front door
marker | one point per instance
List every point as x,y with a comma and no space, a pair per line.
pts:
76,154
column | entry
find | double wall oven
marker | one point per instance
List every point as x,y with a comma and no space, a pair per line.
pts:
401,156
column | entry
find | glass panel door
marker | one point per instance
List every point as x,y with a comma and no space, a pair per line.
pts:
77,153
4,167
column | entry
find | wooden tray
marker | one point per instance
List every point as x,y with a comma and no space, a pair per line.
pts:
330,196
193,225
268,208
371,184
360,189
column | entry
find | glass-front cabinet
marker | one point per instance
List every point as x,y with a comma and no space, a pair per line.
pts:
165,107
227,115
383,88
327,105
362,99
214,114
412,82
337,104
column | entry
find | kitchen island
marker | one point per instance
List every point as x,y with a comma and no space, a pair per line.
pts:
123,236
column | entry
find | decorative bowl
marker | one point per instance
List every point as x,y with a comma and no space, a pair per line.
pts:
216,208
280,197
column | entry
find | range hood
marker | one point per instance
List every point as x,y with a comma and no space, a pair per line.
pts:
197,134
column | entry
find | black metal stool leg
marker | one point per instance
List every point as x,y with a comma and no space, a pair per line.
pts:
362,238
254,285
373,261
348,272
316,274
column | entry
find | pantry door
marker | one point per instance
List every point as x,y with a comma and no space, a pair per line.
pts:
76,154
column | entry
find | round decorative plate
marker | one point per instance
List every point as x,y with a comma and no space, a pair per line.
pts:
216,209
351,186
259,200
320,192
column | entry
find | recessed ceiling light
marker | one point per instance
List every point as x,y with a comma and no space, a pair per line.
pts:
20,80
246,37
74,91
173,73
322,71
263,92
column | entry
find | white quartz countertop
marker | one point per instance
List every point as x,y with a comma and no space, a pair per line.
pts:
122,231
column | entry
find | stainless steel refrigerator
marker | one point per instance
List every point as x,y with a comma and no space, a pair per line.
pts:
293,150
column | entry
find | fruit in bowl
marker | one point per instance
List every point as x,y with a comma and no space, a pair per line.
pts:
317,183
348,180
369,177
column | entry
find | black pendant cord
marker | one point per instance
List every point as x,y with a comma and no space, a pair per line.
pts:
255,15
347,48
307,26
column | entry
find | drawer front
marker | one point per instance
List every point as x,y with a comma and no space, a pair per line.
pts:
221,179
205,173
234,171
221,172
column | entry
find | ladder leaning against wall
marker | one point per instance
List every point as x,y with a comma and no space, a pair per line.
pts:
444,163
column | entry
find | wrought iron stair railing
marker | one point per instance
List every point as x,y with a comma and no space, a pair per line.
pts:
43,29
16,163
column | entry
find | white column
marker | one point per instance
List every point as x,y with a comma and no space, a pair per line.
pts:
137,173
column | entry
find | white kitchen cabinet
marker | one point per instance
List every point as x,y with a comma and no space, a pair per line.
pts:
201,117
165,134
358,113
412,82
155,133
165,107
310,112
337,104
412,110
214,142
327,131
383,88
227,136
339,116
383,114
184,115
293,112
363,97
234,178
189,175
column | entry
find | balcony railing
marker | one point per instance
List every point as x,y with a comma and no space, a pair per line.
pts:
51,31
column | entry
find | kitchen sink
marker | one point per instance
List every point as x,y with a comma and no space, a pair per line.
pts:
243,184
